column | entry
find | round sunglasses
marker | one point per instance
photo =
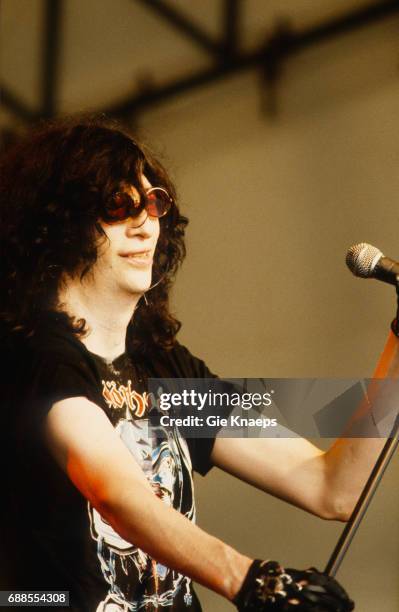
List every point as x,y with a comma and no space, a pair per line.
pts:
157,202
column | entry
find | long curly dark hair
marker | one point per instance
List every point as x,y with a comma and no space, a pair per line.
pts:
54,184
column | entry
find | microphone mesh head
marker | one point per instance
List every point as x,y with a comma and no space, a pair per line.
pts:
362,258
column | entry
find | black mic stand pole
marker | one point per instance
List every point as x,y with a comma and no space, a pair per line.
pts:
363,503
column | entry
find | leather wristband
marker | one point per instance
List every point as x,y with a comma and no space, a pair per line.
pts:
268,586
265,581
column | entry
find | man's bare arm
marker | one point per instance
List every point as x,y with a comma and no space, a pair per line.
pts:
85,445
292,469
350,460
327,484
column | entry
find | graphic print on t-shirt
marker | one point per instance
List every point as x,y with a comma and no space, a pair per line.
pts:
136,581
118,396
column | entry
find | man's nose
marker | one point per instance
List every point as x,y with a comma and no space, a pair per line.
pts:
139,220
143,222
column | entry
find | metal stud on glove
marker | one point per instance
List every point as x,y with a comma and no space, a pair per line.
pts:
268,587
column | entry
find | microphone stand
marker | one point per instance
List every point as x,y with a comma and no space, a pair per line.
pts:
391,444
363,503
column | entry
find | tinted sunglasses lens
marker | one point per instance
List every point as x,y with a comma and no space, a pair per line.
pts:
120,207
158,202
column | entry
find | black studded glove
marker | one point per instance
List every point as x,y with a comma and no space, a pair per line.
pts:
268,587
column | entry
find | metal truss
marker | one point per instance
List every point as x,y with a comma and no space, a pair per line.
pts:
225,54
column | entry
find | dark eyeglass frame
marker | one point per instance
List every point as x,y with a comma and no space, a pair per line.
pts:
157,202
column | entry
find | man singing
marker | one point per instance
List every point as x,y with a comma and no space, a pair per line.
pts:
97,500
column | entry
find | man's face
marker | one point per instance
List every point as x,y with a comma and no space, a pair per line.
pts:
124,263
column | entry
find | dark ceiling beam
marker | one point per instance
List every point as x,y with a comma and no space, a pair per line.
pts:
19,108
352,20
280,45
152,97
184,25
231,23
50,56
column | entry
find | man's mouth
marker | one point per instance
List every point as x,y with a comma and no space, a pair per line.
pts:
144,257
141,254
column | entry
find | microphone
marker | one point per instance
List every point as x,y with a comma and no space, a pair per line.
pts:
367,261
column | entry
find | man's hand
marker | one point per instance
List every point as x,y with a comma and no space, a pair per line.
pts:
395,322
268,587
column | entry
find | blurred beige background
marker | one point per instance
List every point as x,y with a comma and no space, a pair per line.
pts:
274,204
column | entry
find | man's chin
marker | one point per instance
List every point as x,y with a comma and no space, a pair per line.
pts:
138,289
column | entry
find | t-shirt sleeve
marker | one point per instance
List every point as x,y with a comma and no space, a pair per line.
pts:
49,378
67,380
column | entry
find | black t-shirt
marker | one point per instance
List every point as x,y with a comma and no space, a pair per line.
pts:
51,538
